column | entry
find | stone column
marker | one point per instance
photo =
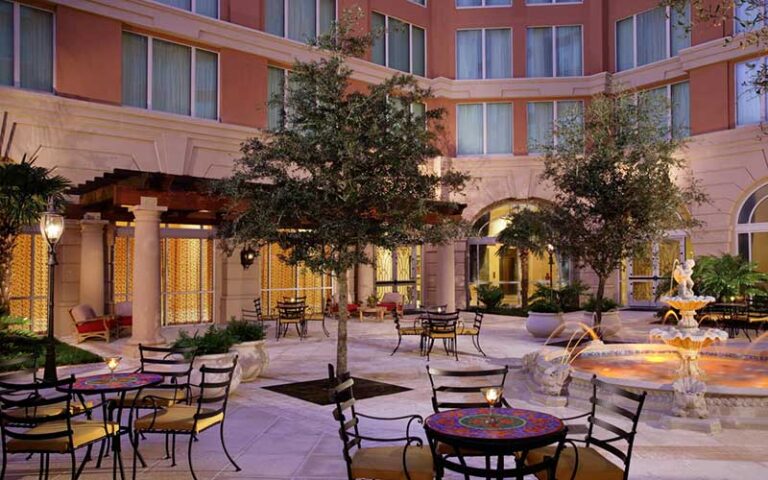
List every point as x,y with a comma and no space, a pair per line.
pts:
446,278
146,272
365,277
92,261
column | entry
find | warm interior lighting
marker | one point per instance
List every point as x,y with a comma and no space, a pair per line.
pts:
247,256
492,395
52,227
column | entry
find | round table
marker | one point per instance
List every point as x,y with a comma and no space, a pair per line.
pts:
120,383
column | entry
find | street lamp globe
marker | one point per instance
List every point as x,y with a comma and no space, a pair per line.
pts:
52,227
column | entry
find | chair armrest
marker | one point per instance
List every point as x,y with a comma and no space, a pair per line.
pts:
583,415
410,418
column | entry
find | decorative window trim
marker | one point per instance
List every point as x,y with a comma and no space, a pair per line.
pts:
484,72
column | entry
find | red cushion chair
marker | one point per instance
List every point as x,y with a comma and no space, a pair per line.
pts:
89,325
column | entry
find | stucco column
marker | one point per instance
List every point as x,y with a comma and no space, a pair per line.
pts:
446,278
92,261
365,277
146,272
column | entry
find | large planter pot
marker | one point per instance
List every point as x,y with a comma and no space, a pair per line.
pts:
544,325
252,357
610,323
219,360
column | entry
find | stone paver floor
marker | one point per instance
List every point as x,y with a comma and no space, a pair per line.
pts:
273,436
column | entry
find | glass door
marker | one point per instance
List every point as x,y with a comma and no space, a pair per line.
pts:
486,266
399,271
645,273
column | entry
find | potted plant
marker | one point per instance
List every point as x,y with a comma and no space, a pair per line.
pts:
545,319
611,323
372,301
213,349
490,295
250,346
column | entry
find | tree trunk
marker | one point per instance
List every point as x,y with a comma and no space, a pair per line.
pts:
342,369
524,278
6,254
599,303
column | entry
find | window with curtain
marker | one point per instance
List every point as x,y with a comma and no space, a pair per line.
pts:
550,2
554,51
484,53
209,8
651,36
276,97
750,105
484,128
419,2
26,34
402,45
29,280
748,16
179,79
300,20
541,123
483,3
680,103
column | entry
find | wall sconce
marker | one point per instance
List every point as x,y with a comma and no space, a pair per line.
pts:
247,256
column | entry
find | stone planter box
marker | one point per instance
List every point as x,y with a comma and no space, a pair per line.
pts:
219,360
252,358
543,325
610,323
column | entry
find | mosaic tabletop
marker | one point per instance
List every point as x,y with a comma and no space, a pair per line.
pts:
503,424
117,382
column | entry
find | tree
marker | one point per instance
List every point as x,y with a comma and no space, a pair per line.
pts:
528,234
345,170
617,183
24,193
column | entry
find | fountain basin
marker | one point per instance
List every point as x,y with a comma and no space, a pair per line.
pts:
737,381
688,303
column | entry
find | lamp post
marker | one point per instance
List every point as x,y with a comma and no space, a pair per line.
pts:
551,251
52,228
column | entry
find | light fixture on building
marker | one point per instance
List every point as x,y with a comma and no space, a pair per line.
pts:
247,256
52,229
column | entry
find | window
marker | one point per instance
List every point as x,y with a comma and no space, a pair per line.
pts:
749,16
550,2
750,105
554,51
280,281
299,20
399,270
677,97
485,53
170,77
187,270
209,8
542,117
276,97
484,128
483,3
26,47
423,3
29,280
402,46
651,36
752,228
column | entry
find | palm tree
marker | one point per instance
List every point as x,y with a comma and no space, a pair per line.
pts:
527,234
728,276
25,190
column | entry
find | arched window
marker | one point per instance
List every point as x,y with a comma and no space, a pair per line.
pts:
752,228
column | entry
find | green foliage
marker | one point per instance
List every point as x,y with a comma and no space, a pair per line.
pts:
591,304
490,295
728,276
566,295
213,341
245,331
23,342
501,310
14,323
372,300
544,306
526,232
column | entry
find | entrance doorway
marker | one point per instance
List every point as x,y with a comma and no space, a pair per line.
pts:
486,266
646,272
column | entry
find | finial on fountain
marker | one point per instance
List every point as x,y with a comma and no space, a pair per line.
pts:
682,275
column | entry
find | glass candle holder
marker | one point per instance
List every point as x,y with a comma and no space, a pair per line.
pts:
492,396
112,364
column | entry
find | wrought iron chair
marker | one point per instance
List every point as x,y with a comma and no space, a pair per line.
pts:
587,463
210,410
291,313
408,461
473,331
442,326
26,430
415,330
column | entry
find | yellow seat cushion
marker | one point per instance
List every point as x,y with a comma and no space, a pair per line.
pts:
592,465
386,463
410,331
163,397
83,433
441,335
179,418
469,331
52,410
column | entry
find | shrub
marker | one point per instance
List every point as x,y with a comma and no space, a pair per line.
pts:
490,295
543,306
212,342
566,296
244,331
608,304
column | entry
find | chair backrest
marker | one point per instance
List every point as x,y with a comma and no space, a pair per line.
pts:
477,322
396,318
174,364
82,313
451,395
124,309
295,299
392,297
291,310
349,431
22,404
464,448
442,323
215,385
628,410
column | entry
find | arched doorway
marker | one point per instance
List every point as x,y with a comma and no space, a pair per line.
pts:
752,228
485,265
